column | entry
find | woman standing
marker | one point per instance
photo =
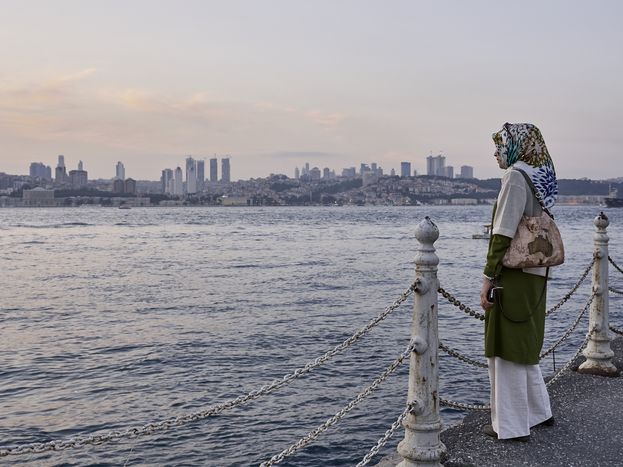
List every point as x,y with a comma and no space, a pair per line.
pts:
515,318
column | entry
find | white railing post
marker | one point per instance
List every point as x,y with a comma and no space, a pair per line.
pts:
421,445
598,352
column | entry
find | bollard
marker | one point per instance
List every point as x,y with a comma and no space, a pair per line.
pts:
421,445
598,352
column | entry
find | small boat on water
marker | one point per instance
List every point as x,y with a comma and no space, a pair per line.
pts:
125,206
485,234
612,201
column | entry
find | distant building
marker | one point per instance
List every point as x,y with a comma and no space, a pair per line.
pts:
191,175
201,175
350,172
166,181
179,182
214,170
467,171
40,170
405,169
392,173
78,178
314,173
225,170
38,197
449,171
129,186
118,186
363,168
435,165
326,173
120,171
235,201
297,173
60,174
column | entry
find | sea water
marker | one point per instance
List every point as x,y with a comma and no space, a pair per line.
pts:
117,318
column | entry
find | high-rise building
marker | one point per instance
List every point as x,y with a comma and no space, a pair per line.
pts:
201,164
349,172
435,165
191,175
40,170
60,177
120,171
297,173
225,170
392,173
373,167
78,178
326,173
449,171
168,186
214,170
467,171
363,168
129,186
405,169
314,173
179,182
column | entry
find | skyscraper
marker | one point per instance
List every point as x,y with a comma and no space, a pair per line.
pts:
467,171
201,164
40,170
179,182
405,169
297,173
191,175
167,181
61,172
436,165
214,170
225,170
120,171
78,178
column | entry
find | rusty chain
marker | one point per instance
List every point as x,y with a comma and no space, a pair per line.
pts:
80,441
570,330
615,330
312,435
616,266
456,354
383,440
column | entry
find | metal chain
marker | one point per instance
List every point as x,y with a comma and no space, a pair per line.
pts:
615,264
573,289
312,435
383,440
570,330
456,354
79,441
616,291
454,301
462,405
570,362
615,330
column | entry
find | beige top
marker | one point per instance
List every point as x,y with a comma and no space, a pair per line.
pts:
514,201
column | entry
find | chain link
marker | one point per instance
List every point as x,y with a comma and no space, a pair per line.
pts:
462,405
461,306
312,435
615,330
570,362
456,354
570,330
616,291
573,289
383,440
79,441
615,264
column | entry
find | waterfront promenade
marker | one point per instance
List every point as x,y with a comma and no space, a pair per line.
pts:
589,415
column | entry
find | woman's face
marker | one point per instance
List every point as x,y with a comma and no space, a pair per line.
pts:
498,158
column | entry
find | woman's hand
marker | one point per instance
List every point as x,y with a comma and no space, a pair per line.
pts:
484,291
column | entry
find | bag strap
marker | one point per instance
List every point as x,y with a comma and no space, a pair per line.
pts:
536,194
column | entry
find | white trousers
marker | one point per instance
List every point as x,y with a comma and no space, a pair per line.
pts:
519,398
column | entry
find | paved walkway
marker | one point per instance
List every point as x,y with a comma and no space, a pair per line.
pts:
588,431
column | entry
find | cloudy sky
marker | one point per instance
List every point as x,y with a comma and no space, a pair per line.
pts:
277,83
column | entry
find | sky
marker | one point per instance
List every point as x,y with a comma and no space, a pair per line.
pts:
277,83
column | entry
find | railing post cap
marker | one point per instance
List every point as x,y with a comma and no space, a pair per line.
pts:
601,221
427,231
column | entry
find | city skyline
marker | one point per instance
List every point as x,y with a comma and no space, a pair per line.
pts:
146,82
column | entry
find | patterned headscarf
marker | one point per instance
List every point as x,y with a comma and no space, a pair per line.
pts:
521,145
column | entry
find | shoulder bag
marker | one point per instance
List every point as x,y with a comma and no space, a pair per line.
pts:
537,241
